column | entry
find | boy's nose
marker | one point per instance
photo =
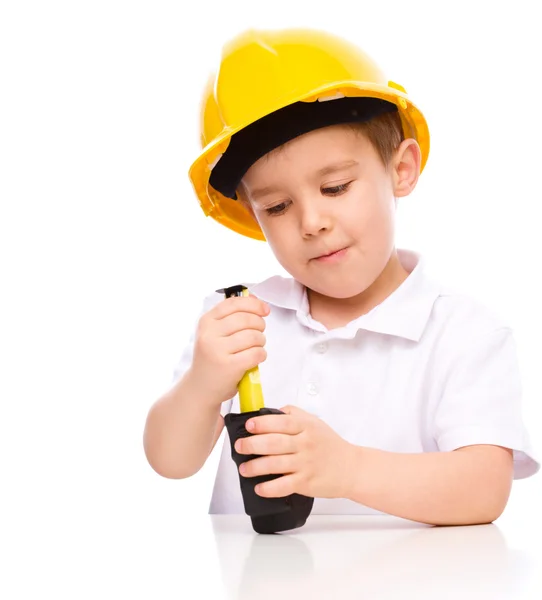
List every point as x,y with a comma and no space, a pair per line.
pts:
314,220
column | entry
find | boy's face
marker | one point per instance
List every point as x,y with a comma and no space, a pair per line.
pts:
326,204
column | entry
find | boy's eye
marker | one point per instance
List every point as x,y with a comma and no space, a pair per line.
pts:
336,190
277,209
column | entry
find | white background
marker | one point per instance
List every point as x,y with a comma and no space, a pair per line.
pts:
105,254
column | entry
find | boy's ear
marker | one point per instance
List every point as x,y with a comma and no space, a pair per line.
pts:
406,167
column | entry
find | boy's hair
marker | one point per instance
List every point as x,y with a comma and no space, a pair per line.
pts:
385,132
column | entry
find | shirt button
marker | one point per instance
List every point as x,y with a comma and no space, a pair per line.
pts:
312,389
322,347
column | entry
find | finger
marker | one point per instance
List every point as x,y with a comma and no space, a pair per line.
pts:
268,465
269,443
248,359
279,487
290,409
240,304
243,340
289,424
238,322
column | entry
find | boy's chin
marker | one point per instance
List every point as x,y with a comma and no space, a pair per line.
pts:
342,292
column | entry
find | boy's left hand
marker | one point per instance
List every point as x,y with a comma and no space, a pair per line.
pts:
313,459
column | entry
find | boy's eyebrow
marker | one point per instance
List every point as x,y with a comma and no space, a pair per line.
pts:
327,170
263,191
337,167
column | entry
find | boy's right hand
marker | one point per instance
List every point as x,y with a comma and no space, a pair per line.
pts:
229,341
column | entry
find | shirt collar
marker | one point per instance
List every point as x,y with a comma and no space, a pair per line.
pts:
404,313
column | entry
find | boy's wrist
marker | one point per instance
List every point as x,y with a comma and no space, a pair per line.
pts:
349,465
197,386
364,478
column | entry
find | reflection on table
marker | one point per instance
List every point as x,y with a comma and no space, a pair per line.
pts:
368,557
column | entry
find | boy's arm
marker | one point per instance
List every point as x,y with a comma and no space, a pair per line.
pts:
467,481
183,425
467,486
181,430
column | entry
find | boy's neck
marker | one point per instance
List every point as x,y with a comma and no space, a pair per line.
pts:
338,312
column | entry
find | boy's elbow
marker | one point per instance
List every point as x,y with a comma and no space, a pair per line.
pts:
494,507
167,470
171,473
476,514
162,464
494,473
488,505
487,514
499,486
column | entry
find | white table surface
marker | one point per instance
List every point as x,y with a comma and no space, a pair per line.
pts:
154,540
373,557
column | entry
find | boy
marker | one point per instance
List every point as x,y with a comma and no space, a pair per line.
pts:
401,396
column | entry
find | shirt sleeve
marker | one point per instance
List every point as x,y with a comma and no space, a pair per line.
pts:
482,402
187,353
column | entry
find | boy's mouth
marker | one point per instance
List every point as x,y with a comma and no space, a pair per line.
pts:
335,254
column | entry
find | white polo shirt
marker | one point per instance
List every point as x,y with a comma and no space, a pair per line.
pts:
428,369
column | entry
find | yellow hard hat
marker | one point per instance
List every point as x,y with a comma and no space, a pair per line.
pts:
262,72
